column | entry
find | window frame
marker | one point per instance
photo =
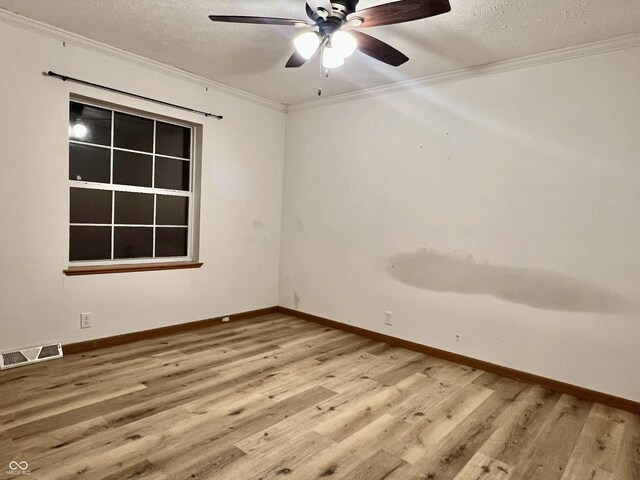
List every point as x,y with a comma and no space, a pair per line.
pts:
192,194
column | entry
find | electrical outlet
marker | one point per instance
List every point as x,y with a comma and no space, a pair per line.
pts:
85,320
225,319
387,318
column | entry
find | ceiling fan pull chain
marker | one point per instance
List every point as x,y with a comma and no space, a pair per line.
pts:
320,78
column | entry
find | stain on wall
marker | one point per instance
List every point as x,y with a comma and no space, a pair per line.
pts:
538,288
258,225
296,300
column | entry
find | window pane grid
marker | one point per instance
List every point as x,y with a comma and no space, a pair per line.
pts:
80,142
113,194
155,214
128,188
157,155
153,164
125,225
108,147
113,221
131,240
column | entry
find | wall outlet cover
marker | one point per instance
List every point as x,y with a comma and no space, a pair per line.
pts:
85,320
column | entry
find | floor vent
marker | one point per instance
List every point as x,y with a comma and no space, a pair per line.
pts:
26,356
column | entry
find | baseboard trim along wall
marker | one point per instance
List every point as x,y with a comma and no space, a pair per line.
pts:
161,331
562,387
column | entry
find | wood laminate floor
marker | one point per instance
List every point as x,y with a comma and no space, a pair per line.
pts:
282,398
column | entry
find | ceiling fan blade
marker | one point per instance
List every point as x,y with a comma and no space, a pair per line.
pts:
378,49
400,11
311,13
258,20
296,60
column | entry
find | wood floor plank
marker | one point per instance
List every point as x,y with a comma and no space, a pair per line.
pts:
38,413
402,370
202,462
597,445
555,441
427,434
340,458
363,411
380,466
514,438
287,430
279,460
481,467
144,470
448,380
628,455
278,397
468,437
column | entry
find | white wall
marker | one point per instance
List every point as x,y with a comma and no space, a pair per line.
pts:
240,210
504,209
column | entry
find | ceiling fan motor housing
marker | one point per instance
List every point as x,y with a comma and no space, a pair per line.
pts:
329,26
342,8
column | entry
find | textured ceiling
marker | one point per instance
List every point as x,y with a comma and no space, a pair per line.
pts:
252,57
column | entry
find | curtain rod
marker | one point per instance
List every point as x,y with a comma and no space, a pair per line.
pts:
64,78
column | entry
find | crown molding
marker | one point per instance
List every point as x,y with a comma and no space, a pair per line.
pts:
552,56
25,23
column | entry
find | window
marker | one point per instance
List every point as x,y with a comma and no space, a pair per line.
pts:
131,183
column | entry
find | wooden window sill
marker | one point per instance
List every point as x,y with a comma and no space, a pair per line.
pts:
129,268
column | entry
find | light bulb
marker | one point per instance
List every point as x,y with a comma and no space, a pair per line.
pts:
307,44
331,58
78,130
344,43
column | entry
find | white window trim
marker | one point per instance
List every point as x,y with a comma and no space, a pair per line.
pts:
191,193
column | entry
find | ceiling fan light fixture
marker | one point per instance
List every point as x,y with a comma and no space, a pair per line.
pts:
331,58
307,44
344,43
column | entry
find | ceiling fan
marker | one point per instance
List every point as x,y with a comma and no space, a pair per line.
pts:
333,33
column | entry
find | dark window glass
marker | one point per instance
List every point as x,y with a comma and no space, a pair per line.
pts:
132,242
173,140
89,164
134,208
89,243
133,133
89,124
132,168
131,143
171,242
90,206
172,174
172,210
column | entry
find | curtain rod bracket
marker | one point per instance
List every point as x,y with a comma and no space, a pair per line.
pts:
64,78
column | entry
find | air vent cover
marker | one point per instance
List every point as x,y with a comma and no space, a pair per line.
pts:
49,351
13,358
26,356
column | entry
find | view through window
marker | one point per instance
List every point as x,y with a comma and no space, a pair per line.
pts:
131,186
